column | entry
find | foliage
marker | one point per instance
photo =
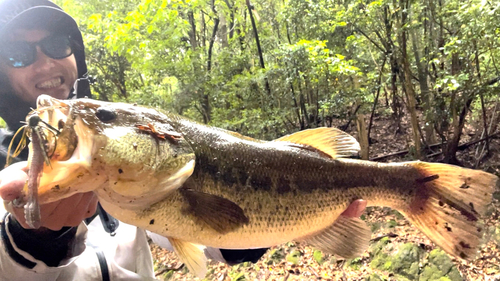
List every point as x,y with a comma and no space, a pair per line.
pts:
323,60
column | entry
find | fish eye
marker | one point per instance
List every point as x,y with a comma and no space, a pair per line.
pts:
105,114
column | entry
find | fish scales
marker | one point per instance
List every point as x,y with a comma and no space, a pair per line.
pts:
313,192
200,185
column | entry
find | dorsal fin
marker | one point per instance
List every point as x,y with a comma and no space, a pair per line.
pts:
331,141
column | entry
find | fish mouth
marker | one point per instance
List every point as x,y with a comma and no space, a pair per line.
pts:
69,148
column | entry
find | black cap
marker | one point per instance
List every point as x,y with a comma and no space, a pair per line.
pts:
45,15
41,14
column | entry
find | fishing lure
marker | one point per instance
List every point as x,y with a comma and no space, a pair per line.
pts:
36,159
28,129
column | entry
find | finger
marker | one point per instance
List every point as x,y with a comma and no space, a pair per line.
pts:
17,213
355,209
11,183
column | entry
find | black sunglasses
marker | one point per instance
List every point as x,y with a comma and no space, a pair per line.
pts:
21,53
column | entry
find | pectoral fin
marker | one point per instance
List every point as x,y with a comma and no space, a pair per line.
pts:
218,213
347,237
192,255
330,141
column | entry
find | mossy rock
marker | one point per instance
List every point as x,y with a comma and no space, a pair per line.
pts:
379,253
237,276
375,226
168,275
404,263
275,256
377,247
392,224
355,263
375,277
398,215
318,257
294,257
440,267
407,259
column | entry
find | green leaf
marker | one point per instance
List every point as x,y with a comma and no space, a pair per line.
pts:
150,29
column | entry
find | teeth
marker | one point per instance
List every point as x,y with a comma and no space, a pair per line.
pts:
49,84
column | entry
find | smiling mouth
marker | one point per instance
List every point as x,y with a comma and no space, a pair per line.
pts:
50,84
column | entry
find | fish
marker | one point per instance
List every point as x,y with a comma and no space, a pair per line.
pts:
202,186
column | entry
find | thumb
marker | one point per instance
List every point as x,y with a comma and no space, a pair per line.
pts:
355,209
12,180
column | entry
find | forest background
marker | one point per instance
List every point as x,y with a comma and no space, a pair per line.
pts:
429,69
269,68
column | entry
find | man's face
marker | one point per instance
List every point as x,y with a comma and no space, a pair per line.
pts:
54,77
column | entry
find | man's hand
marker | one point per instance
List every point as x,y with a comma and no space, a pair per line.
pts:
66,212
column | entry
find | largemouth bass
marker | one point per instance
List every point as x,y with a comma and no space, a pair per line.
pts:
200,185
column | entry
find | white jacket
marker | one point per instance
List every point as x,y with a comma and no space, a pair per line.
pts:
127,253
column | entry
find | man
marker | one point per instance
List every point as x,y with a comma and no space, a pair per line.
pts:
41,52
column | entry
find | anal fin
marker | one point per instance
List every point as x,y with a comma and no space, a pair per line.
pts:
219,213
347,237
192,255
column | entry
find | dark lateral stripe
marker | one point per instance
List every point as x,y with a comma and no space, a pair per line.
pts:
260,182
283,186
228,175
304,179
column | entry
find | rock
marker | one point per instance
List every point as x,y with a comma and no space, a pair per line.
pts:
355,263
375,277
318,257
440,267
406,261
275,256
294,257
379,254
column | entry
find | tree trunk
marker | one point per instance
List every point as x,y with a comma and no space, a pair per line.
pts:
395,105
205,103
256,34
231,17
257,41
422,69
408,85
192,32
212,38
223,32
363,137
450,155
379,86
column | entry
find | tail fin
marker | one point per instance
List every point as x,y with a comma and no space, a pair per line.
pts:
449,205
